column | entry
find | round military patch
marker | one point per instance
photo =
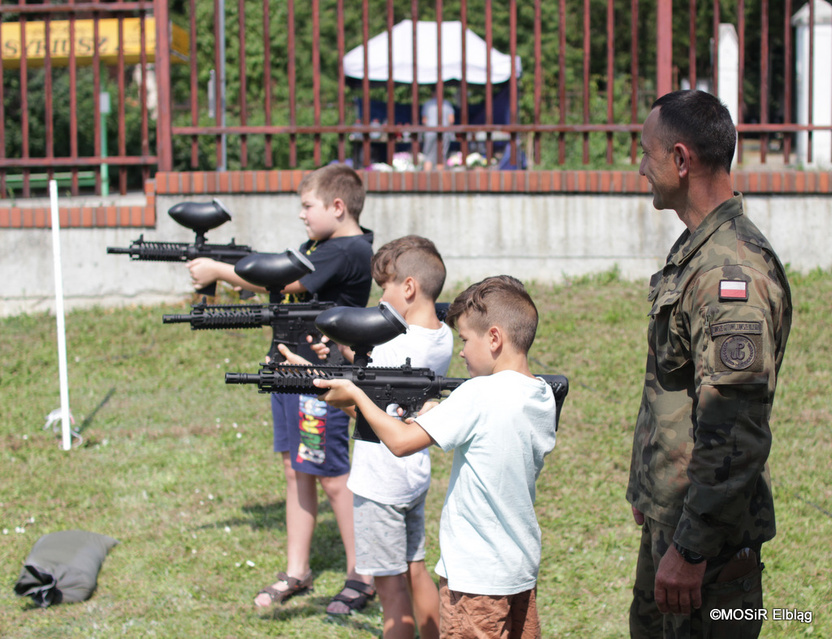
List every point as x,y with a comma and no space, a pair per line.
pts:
737,352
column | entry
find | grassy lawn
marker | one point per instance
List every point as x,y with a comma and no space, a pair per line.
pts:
178,466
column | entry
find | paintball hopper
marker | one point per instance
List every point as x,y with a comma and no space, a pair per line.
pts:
200,217
273,271
361,328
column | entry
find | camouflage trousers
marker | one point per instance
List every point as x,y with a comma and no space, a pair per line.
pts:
732,583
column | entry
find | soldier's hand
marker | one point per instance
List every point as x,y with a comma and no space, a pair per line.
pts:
678,587
638,516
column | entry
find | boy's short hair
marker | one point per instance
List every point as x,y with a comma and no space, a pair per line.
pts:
336,181
410,256
498,301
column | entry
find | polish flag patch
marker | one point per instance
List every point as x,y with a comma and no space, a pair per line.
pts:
733,290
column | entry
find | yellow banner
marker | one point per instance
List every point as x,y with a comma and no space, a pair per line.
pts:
108,42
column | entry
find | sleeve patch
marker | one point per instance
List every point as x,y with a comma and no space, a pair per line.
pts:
726,328
733,290
738,352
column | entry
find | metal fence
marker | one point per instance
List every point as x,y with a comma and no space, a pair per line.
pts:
262,84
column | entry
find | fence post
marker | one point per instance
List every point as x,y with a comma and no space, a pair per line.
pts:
164,140
664,47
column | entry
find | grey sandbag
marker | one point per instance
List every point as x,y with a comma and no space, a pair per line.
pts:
63,566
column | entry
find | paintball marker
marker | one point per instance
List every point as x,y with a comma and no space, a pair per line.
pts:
291,323
405,386
200,217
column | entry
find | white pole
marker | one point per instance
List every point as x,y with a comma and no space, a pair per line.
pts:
59,313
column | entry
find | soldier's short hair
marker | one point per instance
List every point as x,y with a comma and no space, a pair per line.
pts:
498,301
700,121
336,181
410,256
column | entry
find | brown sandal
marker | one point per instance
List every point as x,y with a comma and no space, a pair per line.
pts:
294,587
353,603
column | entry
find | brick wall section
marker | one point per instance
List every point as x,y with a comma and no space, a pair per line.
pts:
197,183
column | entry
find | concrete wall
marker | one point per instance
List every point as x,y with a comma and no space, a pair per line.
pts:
543,237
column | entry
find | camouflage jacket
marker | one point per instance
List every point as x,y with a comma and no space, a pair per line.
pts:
718,328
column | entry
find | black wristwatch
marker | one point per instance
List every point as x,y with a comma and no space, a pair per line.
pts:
688,555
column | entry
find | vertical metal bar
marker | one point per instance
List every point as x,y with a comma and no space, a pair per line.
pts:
164,122
218,89
512,21
145,129
391,97
415,111
267,71
316,78
122,133
585,80
47,85
342,88
610,76
811,118
538,76
193,79
489,106
741,71
98,132
73,101
788,80
764,78
293,138
241,21
692,45
463,104
365,83
562,79
715,52
440,90
664,47
634,79
24,102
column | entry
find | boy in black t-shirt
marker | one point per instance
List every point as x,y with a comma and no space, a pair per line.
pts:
312,437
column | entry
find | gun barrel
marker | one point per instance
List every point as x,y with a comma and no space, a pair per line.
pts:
242,378
205,317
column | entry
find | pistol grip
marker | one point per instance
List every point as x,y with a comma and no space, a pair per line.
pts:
363,431
210,290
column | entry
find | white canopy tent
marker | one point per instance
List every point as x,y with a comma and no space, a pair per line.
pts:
426,50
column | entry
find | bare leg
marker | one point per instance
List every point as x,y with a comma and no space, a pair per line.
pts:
340,498
425,600
394,596
301,514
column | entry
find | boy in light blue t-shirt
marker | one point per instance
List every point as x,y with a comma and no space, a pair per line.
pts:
500,424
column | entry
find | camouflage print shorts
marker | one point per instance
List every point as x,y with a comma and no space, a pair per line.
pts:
732,582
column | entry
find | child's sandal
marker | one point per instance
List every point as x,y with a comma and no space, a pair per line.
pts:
293,587
354,603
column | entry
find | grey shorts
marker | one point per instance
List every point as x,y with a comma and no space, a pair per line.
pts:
387,538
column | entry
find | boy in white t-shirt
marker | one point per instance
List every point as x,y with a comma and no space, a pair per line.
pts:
501,425
389,492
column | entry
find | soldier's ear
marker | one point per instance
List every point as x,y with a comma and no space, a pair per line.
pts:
682,156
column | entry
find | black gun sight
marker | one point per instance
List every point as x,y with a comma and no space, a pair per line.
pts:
200,217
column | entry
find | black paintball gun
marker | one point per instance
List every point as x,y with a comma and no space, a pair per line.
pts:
405,386
200,217
291,323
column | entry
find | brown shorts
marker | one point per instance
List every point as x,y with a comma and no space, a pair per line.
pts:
467,616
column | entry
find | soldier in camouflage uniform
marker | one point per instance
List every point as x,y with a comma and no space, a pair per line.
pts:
699,482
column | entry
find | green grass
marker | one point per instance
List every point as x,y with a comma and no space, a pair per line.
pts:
179,468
